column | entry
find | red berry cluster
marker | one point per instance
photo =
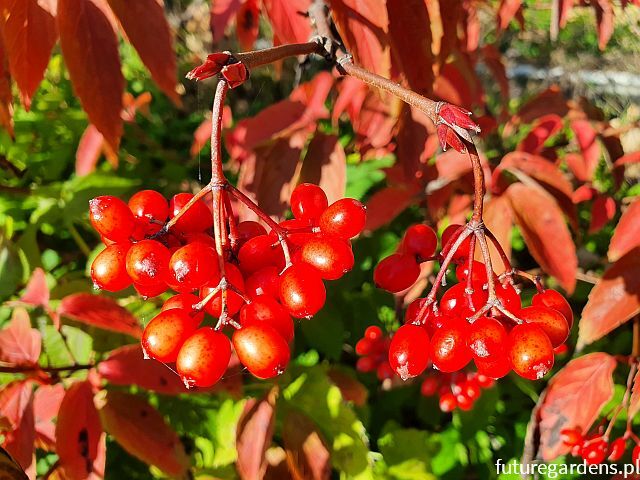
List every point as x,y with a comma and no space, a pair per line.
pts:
373,349
477,319
457,390
255,280
595,448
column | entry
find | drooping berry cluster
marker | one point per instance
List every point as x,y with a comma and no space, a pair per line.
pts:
373,350
479,318
596,447
252,279
456,390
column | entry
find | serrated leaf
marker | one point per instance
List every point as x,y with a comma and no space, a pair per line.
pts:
19,343
627,233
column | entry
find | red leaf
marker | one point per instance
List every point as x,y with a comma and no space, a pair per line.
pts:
147,29
451,166
542,129
19,343
362,25
126,366
602,211
308,454
29,33
498,218
416,141
314,94
586,137
627,233
80,440
253,435
37,292
325,164
549,101
222,11
604,19
565,8
102,312
89,150
614,299
493,60
350,388
351,95
574,398
410,37
373,123
247,23
19,442
506,12
46,404
545,232
386,204
6,96
90,48
633,157
141,430
14,399
286,18
634,401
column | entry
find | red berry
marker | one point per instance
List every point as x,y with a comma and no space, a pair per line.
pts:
165,333
552,299
487,338
197,219
234,301
249,229
455,302
302,292
495,368
420,241
109,268
366,364
262,350
364,346
616,449
331,256
148,262
448,239
449,348
409,352
111,218
464,403
192,266
344,218
530,351
186,302
478,272
200,237
509,297
260,252
384,371
448,402
429,386
150,291
373,333
308,202
268,310
203,358
571,436
595,452
265,281
150,208
396,272
484,381
551,321
635,456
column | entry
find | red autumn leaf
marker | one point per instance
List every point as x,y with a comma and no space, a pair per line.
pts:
147,29
542,129
410,37
89,151
373,124
386,204
14,399
471,27
6,96
308,454
325,164
314,94
351,96
614,299
415,140
546,102
634,401
362,25
19,442
627,233
99,311
202,134
222,11
127,366
46,404
287,20
29,33
19,343
253,435
142,431
574,398
586,137
451,166
350,388
602,211
565,8
493,59
506,12
37,291
604,19
247,23
80,440
633,157
545,232
498,218
458,83
583,193
90,48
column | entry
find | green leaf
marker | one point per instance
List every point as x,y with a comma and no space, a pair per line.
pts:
78,348
407,453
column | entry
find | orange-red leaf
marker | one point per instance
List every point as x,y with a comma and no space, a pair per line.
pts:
287,20
541,130
634,401
627,233
387,204
586,137
498,217
147,29
19,442
37,292
14,399
506,12
325,164
29,32
102,312
6,96
604,19
46,404
247,23
90,48
544,230
142,431
80,440
253,435
574,398
222,11
603,210
546,102
633,157
614,299
308,454
89,151
19,343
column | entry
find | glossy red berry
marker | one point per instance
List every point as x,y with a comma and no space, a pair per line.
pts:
508,295
366,364
552,299
571,436
478,272
234,301
260,252
200,237
616,449
448,402
344,218
265,281
409,352
302,292
331,256
635,456
148,262
186,302
262,350
530,351
109,268
454,302
464,403
494,368
266,309
429,386
249,229
150,291
419,241
487,338
192,266
111,218
595,451
197,219
373,333
412,314
308,202
203,358
484,381
449,350
165,333
396,272
150,208
449,237
551,321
